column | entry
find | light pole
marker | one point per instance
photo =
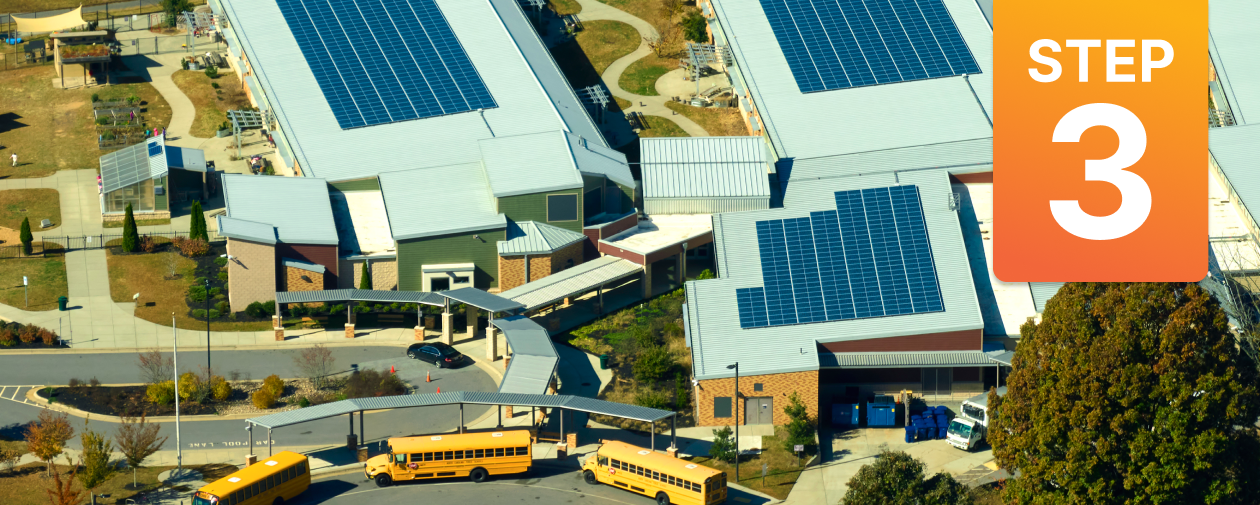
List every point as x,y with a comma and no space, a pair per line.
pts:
179,450
736,407
209,373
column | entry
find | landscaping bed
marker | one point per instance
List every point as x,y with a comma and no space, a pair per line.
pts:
27,484
781,472
133,400
139,222
211,103
718,121
163,278
28,336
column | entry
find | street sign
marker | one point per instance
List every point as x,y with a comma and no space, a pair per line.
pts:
24,281
763,474
798,448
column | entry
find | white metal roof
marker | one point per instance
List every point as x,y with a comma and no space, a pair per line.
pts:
529,237
579,279
1005,305
423,202
531,163
297,206
534,357
241,229
656,232
1236,150
713,316
700,167
1234,46
531,93
362,222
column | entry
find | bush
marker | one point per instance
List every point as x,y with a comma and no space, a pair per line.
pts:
183,64
256,310
274,384
652,398
197,293
213,314
8,337
103,120
212,72
74,383
215,291
189,383
47,336
161,393
93,382
133,99
723,447
337,309
221,390
303,402
297,310
221,261
371,383
653,364
223,276
199,313
214,85
263,399
801,427
28,334
96,98
269,306
223,307
681,392
147,244
191,247
706,274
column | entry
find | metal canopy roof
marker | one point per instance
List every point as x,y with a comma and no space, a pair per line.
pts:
482,299
272,200
529,237
1003,358
705,167
360,295
578,403
905,359
534,357
242,229
1232,43
578,279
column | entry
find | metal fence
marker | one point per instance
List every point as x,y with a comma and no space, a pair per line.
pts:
45,246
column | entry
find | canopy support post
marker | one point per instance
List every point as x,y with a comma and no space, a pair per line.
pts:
269,442
461,418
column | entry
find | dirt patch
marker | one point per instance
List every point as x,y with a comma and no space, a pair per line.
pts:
9,236
70,107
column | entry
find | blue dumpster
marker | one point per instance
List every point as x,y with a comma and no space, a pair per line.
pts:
882,411
845,415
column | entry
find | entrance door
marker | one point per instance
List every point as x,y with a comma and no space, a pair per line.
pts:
759,411
938,381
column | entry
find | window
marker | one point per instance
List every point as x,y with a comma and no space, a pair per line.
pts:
480,453
602,460
672,481
271,481
284,476
521,451
238,496
498,453
428,456
562,207
616,464
400,458
722,406
253,490
459,455
656,476
301,468
593,202
757,386
449,455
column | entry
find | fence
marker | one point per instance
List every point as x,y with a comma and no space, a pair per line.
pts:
61,245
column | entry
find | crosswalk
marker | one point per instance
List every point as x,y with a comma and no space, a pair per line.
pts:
18,394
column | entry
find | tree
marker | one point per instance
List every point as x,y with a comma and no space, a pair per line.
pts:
47,436
365,279
1129,393
9,457
666,41
801,428
63,491
138,440
131,236
1230,281
155,367
680,392
695,27
315,363
723,448
897,477
653,363
197,228
95,459
175,8
25,236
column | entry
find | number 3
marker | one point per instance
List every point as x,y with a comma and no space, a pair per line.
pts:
1135,195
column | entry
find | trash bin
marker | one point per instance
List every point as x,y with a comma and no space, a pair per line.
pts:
603,361
61,302
909,434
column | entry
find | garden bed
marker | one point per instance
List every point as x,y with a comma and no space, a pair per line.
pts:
133,400
19,336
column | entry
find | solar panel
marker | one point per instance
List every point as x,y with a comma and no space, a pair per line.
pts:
385,61
155,149
868,258
837,44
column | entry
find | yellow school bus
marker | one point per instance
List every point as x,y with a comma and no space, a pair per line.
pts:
668,479
472,455
271,481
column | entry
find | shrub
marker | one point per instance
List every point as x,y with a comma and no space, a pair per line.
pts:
651,398
212,72
47,336
28,334
303,402
297,310
337,309
103,120
8,337
147,244
74,382
256,310
801,427
681,393
371,383
221,261
161,393
96,97
183,64
263,399
723,447
221,390
130,235
197,293
214,85
93,382
223,276
24,236
274,384
199,313
653,364
706,274
213,314
269,306
189,383
215,291
191,247
222,307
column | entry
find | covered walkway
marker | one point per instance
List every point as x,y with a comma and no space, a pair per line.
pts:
581,279
532,359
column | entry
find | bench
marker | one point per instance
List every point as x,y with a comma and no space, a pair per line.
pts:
47,223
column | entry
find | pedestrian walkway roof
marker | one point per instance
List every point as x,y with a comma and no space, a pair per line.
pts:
481,299
1232,43
578,403
576,280
530,237
534,357
360,295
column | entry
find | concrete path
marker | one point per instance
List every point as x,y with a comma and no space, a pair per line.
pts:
80,201
593,10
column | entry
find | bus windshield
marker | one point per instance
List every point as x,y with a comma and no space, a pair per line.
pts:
198,500
955,428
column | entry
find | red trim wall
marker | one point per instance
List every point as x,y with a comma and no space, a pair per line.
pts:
966,340
635,258
325,255
594,234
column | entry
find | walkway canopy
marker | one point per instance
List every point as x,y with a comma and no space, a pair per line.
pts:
481,299
534,357
574,281
1003,358
66,21
578,403
360,295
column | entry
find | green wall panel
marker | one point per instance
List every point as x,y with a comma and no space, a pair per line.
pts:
462,248
357,185
534,208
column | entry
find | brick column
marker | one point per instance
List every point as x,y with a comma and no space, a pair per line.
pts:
471,313
275,322
672,452
250,459
279,334
507,360
509,412
492,343
349,330
448,320
419,332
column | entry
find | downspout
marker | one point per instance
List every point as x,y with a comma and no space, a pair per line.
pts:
526,269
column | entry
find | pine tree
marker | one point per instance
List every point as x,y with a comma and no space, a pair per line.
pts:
131,235
365,281
197,230
25,236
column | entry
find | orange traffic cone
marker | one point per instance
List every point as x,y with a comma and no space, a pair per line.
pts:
391,369
439,389
426,377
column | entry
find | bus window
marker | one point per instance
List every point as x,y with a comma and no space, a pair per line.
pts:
480,453
601,460
301,468
521,451
498,453
284,476
655,476
400,459
671,480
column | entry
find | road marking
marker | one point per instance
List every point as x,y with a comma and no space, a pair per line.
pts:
18,396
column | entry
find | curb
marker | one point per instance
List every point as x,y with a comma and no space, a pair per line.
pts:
537,462
260,347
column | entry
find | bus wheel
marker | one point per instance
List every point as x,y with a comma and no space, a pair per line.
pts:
590,477
662,498
383,480
477,475
278,501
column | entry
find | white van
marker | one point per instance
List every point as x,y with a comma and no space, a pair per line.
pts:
968,429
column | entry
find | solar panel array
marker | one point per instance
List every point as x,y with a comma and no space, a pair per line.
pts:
837,44
868,258
383,61
155,149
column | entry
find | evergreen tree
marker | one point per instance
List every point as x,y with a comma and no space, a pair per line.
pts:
131,235
723,448
897,477
25,236
365,280
197,229
801,428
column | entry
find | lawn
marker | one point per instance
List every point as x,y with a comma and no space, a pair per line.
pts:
47,277
593,49
150,275
719,122
26,484
51,129
139,222
641,76
661,127
211,104
564,7
781,473
37,204
647,10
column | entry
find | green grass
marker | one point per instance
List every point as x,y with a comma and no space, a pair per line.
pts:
139,222
718,122
47,277
641,76
564,7
211,105
781,473
36,204
150,275
661,127
584,59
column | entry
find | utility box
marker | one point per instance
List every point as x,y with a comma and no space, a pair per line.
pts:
882,411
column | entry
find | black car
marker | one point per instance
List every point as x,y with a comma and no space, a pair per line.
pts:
442,355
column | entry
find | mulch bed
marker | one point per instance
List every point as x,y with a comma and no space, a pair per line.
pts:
16,343
120,400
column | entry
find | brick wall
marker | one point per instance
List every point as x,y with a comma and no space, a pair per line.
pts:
512,268
560,260
252,275
122,216
777,386
384,274
297,279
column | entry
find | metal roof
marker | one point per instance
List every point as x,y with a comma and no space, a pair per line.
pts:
1233,42
810,125
132,164
1042,292
904,359
303,265
534,357
713,316
591,405
360,295
531,92
974,155
297,206
579,279
186,158
454,199
1236,150
1004,358
982,399
530,237
482,299
716,167
593,157
241,229
531,163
